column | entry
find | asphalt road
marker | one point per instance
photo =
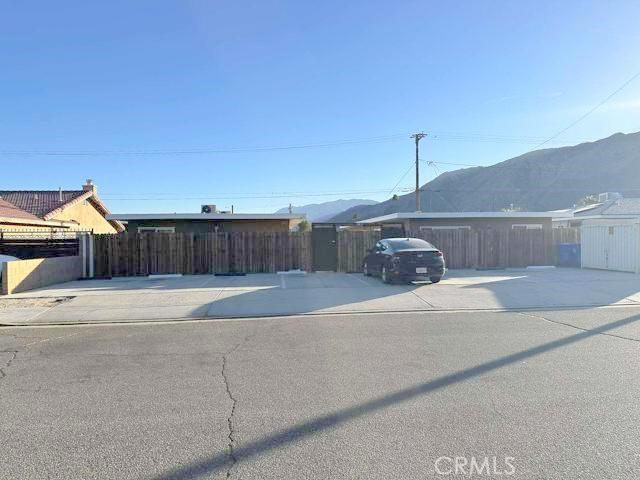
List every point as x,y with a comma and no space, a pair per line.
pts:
546,394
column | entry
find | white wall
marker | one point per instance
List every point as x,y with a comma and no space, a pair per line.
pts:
615,246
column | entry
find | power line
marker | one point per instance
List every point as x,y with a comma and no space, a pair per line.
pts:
405,190
276,193
439,136
435,167
497,139
210,150
572,124
248,197
433,162
401,178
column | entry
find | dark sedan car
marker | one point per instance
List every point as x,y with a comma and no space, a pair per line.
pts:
404,259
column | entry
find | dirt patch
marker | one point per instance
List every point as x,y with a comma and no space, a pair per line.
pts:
46,302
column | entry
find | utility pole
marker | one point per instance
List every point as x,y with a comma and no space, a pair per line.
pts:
418,137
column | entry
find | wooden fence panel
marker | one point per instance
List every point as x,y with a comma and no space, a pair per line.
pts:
129,254
491,248
459,246
566,235
530,247
353,246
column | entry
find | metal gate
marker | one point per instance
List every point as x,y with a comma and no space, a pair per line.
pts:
611,247
325,249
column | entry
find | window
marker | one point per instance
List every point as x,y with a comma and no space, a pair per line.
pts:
157,229
381,246
408,243
526,226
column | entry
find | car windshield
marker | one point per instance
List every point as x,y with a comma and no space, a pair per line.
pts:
407,243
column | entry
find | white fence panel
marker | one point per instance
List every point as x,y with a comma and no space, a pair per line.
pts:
611,247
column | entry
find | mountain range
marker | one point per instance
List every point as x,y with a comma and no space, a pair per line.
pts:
321,212
547,179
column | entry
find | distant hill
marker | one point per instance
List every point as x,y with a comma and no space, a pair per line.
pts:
541,180
321,212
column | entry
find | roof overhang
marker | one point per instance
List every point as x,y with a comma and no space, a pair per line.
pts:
621,216
38,223
398,217
203,216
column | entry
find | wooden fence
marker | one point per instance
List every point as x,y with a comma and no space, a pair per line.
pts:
129,254
492,248
566,235
353,246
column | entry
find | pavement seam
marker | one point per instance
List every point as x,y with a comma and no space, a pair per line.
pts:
421,299
621,337
248,317
42,312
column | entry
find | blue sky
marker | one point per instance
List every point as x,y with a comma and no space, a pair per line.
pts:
107,79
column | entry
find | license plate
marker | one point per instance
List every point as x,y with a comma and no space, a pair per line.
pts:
421,269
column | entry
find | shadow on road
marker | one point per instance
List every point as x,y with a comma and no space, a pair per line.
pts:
297,432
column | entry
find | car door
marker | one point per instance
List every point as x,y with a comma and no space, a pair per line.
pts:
382,255
385,253
373,259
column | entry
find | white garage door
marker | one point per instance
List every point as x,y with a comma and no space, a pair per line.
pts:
611,247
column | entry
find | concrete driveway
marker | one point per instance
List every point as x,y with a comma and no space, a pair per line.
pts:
208,296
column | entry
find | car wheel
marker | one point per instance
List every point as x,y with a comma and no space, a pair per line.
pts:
385,275
365,270
435,279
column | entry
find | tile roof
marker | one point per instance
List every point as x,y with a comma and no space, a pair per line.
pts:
40,202
11,211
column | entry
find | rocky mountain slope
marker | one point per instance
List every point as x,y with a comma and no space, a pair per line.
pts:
547,179
321,212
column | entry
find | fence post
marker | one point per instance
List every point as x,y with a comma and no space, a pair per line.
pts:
85,241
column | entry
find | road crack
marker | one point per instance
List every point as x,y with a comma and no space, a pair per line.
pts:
557,322
234,403
14,354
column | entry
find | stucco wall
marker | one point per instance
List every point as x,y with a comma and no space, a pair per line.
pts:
87,216
23,275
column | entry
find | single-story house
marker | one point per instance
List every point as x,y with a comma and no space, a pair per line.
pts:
617,210
56,210
405,222
208,222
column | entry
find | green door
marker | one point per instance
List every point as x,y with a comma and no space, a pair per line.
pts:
325,251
